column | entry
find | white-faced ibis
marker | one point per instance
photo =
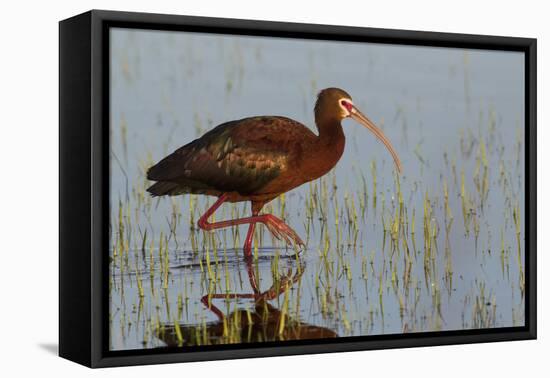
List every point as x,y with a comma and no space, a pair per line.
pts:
259,323
263,322
258,158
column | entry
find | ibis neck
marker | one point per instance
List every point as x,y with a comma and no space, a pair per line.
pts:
330,132
326,150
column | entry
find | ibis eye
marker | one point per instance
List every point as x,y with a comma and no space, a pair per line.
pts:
346,105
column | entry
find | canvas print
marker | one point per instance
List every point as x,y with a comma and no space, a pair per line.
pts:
265,190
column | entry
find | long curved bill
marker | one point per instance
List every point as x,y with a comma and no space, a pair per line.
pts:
363,120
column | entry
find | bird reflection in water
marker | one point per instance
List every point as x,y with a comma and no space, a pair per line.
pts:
260,322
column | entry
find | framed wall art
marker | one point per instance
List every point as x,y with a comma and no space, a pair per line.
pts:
234,188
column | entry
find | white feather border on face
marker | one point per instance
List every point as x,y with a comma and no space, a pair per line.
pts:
345,111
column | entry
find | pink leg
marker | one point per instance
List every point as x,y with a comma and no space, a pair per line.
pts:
252,276
206,301
276,226
248,242
272,293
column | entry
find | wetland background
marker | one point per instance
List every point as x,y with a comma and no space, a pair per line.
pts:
440,247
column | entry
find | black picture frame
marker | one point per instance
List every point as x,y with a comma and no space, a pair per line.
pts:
83,195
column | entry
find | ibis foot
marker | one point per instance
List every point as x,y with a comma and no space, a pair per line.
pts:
281,230
276,226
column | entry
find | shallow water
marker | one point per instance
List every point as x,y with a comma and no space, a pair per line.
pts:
439,248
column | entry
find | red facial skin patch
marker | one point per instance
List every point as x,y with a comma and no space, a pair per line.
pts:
347,105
